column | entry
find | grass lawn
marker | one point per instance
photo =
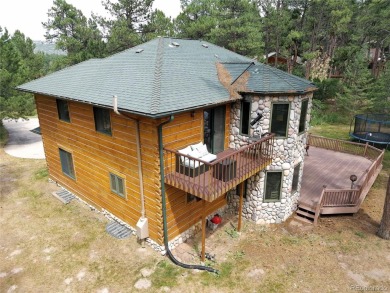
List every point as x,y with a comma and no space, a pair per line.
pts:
46,246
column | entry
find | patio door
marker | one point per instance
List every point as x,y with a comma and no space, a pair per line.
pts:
214,129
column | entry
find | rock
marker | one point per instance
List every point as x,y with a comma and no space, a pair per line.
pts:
286,166
255,106
81,275
256,273
261,222
3,274
143,284
145,272
286,172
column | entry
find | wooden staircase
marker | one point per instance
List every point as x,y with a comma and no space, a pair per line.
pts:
306,214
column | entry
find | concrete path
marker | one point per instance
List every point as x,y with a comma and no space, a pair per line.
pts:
22,143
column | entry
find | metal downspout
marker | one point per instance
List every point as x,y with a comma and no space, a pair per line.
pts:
138,146
164,208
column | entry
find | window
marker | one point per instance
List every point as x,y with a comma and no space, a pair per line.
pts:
67,163
102,120
117,185
273,186
279,123
245,116
294,187
302,119
63,110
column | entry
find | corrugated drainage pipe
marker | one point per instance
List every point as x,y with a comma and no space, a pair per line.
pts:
164,208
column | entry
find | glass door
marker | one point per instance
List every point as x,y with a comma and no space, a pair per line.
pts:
214,129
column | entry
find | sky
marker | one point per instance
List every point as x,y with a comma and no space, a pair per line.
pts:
28,15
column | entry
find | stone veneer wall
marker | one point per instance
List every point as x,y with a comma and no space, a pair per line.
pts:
288,152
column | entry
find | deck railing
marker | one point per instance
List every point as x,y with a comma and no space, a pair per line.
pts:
350,199
211,180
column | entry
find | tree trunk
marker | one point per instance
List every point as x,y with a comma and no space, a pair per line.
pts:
375,60
384,228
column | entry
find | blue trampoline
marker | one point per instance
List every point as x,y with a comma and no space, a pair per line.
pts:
371,128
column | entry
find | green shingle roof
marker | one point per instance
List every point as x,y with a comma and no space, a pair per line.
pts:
267,80
162,79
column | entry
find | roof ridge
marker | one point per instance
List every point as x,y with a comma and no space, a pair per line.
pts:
156,87
291,74
246,69
282,75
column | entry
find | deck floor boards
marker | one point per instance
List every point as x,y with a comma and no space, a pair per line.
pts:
330,168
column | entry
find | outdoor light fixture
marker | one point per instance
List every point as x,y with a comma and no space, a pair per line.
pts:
254,121
353,178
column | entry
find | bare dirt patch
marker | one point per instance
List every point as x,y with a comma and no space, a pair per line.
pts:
46,246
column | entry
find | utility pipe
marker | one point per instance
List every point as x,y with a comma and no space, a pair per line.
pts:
138,143
164,208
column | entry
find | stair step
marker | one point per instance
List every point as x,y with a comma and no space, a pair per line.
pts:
306,207
303,220
305,214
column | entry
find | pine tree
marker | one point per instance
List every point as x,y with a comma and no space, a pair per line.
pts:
18,64
158,25
127,19
74,33
354,97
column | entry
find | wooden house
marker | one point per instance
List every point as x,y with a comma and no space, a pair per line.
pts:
126,134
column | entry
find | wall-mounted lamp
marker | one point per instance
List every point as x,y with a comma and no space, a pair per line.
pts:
254,121
192,114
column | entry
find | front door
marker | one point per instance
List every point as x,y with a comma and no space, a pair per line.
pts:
214,129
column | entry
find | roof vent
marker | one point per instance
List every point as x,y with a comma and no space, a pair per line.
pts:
139,50
174,44
205,45
216,56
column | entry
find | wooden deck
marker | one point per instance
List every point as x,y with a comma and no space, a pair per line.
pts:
326,185
330,168
210,180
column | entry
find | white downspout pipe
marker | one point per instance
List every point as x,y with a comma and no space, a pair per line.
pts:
138,143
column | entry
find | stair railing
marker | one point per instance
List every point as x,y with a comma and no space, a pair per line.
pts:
319,206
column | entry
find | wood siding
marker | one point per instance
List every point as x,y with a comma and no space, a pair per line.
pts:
95,155
183,131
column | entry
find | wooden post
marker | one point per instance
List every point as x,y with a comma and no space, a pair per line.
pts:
365,149
240,206
203,231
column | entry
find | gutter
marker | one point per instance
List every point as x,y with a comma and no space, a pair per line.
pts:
164,207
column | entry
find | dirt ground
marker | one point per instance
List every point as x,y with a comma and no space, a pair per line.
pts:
46,246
